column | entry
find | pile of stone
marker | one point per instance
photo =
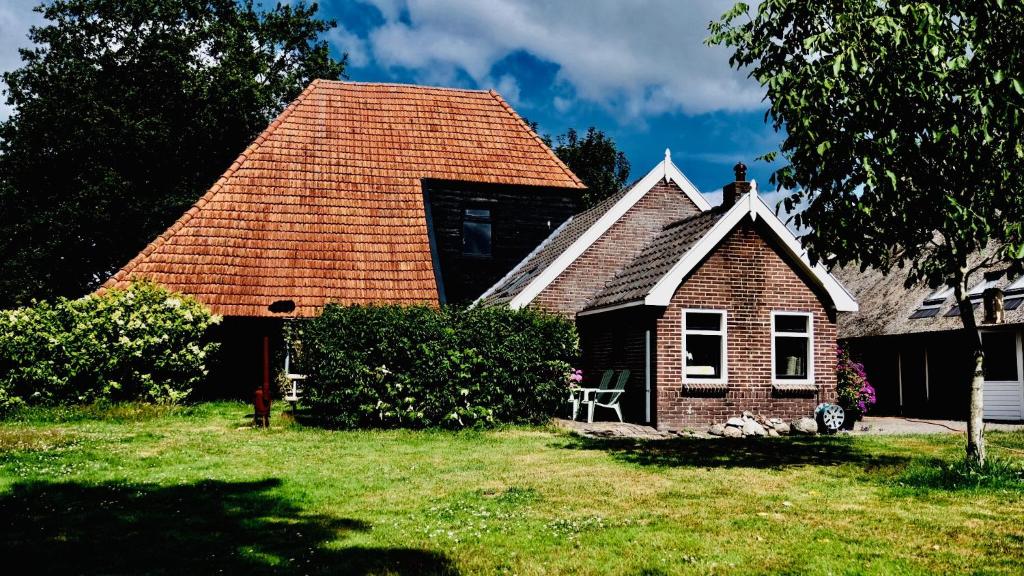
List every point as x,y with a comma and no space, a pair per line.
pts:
750,425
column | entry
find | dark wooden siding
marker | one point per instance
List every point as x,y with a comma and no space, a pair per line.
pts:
521,218
615,341
949,370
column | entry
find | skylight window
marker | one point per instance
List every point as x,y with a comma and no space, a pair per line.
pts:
939,296
932,303
1016,286
980,287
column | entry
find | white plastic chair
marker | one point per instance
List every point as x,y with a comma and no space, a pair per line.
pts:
608,398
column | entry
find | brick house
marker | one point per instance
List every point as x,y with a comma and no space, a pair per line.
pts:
361,193
714,310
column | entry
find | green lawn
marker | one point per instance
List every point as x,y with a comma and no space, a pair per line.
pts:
194,490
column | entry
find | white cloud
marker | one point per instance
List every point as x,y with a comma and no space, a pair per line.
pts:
16,17
635,58
352,44
507,86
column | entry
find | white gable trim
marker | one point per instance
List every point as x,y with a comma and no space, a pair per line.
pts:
665,170
748,205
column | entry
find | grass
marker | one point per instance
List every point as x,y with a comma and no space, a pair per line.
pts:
194,490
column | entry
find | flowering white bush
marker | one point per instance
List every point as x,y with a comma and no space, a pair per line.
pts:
143,343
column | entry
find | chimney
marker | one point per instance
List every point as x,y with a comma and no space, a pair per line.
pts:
733,190
993,306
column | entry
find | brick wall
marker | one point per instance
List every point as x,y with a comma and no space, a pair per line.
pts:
575,286
749,278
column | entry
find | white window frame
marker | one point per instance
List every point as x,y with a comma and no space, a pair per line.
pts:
810,346
723,347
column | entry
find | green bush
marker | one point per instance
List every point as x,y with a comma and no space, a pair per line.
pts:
143,343
454,367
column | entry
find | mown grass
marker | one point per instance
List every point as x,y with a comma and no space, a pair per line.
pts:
194,490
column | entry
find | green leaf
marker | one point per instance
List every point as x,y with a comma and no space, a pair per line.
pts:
998,76
1018,85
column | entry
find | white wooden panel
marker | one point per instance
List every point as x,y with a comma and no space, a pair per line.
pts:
1003,401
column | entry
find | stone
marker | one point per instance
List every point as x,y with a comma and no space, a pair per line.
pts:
732,432
734,422
805,425
752,428
747,415
717,430
773,432
782,428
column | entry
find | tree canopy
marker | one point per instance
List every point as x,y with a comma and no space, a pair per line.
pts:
125,112
594,158
903,125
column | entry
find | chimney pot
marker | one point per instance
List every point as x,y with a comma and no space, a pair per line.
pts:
741,171
732,191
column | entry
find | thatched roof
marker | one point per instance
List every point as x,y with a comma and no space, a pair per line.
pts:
886,306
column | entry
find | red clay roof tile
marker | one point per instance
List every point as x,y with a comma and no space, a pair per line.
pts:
326,204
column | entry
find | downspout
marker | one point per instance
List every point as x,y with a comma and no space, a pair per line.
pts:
899,376
647,375
927,386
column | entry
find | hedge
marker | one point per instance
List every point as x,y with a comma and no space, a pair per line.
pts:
143,343
416,366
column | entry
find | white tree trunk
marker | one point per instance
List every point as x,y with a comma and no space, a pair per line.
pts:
972,337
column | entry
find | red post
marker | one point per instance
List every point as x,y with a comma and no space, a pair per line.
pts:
261,399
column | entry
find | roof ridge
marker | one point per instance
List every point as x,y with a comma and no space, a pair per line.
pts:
687,219
536,137
214,189
403,85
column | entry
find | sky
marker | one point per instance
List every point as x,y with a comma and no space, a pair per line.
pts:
638,70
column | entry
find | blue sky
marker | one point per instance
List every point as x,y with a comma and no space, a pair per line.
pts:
637,70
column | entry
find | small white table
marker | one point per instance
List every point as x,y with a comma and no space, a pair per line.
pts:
586,399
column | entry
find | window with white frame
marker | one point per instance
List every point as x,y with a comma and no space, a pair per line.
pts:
704,345
792,347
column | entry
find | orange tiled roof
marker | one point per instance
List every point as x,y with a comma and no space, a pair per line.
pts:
326,205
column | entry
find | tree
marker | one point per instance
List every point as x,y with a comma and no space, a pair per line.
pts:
597,162
903,125
125,112
595,159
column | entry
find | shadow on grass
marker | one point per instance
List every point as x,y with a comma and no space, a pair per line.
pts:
205,528
738,452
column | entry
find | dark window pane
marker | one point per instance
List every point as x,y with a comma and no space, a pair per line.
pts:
477,213
1012,303
924,313
1000,356
476,238
791,323
791,358
703,356
703,321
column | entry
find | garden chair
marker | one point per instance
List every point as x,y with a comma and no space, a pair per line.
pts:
294,390
580,394
608,398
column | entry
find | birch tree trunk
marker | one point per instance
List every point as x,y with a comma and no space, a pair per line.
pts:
972,338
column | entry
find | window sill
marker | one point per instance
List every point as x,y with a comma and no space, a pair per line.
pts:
704,388
794,389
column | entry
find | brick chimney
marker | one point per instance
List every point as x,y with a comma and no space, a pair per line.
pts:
993,301
733,190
